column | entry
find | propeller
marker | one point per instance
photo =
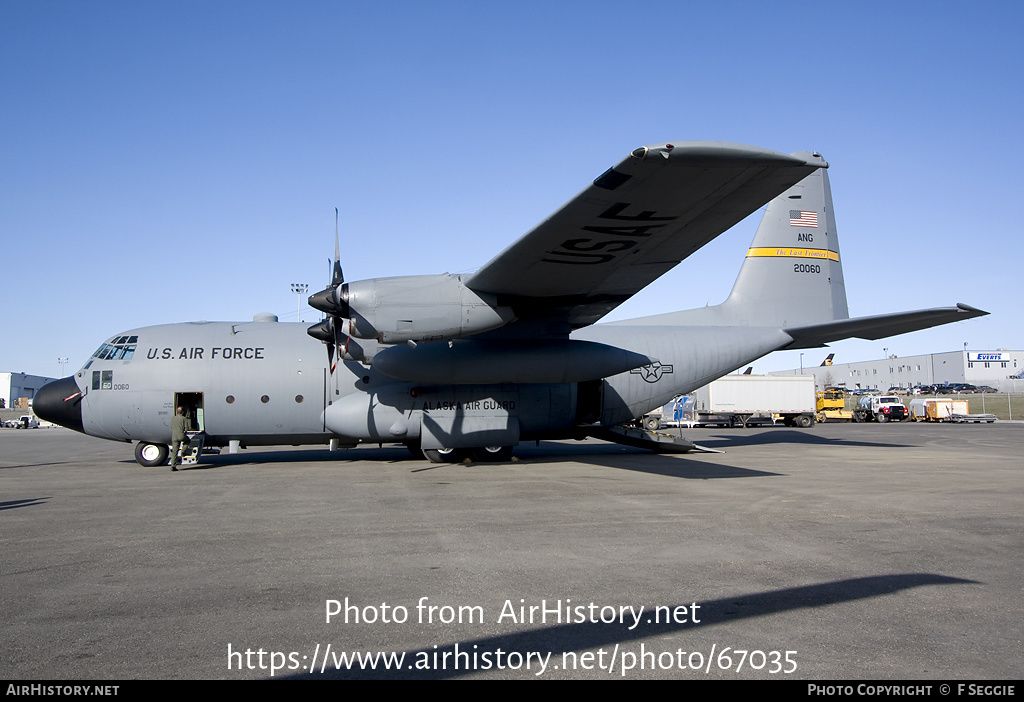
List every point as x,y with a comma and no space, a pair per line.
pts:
338,277
333,301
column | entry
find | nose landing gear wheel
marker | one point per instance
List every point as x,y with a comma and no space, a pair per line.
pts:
150,455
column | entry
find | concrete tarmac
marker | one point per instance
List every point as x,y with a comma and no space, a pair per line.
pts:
839,552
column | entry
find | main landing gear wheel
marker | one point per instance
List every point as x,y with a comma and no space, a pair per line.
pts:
445,455
493,454
150,455
487,454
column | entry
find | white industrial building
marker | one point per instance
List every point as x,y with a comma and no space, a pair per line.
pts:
15,386
1002,369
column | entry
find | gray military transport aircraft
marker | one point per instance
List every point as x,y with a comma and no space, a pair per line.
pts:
470,365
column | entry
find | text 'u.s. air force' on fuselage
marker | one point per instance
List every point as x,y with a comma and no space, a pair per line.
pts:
457,365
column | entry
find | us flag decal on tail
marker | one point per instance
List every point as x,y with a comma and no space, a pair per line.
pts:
802,218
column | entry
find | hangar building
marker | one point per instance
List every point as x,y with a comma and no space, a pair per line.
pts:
15,386
1002,369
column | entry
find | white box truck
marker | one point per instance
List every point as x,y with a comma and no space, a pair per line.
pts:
735,400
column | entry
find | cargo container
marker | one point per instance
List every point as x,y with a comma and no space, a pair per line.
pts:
936,409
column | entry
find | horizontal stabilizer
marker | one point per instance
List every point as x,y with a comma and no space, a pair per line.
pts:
878,326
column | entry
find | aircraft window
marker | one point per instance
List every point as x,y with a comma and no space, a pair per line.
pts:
108,380
95,380
298,398
229,399
265,399
121,349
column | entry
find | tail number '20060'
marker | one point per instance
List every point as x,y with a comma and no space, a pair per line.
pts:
806,268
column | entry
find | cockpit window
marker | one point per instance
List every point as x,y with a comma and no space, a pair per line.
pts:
120,348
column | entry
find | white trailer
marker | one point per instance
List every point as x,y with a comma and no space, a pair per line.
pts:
736,399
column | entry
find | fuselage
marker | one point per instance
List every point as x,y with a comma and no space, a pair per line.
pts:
267,383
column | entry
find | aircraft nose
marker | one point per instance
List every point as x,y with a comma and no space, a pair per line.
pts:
60,402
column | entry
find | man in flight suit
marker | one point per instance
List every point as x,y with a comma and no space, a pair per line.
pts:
179,425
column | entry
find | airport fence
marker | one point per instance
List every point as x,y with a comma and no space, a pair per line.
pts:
1002,406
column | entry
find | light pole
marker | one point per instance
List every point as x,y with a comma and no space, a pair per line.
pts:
62,361
801,364
299,289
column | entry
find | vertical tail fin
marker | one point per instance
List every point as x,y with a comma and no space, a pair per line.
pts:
792,274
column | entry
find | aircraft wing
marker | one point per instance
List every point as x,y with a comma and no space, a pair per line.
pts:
878,326
635,222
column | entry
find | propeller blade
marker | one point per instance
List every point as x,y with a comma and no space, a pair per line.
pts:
338,278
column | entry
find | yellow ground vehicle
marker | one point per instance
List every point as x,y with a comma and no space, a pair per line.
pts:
830,406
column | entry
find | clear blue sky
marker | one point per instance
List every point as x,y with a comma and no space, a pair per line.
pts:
167,162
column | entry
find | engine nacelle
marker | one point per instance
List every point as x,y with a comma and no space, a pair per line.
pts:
419,308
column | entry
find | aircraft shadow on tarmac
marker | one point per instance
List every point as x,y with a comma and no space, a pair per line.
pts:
37,465
561,638
601,454
806,438
686,466
31,502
